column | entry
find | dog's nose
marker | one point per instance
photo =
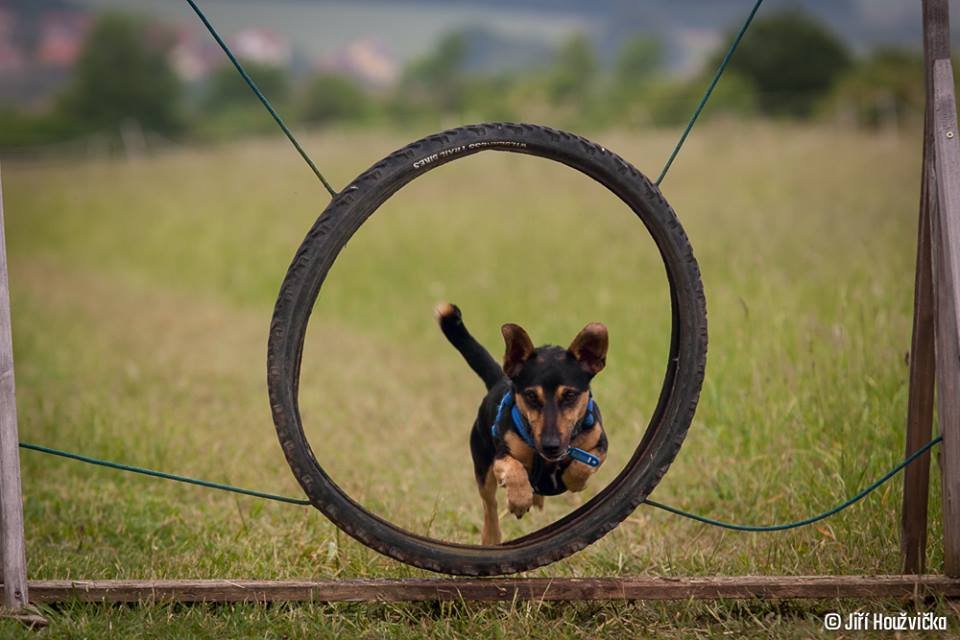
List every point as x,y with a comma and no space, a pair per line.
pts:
551,447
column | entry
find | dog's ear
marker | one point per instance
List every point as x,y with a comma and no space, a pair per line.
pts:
519,348
590,347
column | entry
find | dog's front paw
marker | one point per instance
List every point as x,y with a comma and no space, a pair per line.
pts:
519,500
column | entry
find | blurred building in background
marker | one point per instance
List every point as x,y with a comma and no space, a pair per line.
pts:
38,47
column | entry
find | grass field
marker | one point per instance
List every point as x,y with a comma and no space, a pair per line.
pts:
142,294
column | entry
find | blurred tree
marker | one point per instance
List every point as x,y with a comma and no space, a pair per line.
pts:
24,128
638,61
331,97
492,97
634,74
122,75
885,89
792,59
227,89
671,103
436,81
575,72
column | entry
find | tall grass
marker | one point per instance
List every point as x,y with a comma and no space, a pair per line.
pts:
142,294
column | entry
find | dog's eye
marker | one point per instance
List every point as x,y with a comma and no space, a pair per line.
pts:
569,396
532,398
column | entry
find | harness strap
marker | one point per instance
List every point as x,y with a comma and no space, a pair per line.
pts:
589,419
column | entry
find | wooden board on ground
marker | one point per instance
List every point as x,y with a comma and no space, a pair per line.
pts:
538,589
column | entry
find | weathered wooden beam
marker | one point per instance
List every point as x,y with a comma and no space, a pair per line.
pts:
946,249
936,29
916,477
447,589
13,561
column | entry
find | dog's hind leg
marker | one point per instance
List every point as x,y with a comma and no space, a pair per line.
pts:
491,521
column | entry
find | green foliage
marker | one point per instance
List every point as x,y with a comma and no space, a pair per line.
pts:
672,103
22,129
788,64
231,122
491,98
575,72
638,62
436,81
632,81
793,60
886,88
227,89
331,98
122,74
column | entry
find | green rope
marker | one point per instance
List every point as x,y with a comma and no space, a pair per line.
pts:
709,91
161,474
692,516
801,523
263,98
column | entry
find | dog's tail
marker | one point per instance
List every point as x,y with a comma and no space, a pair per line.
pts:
479,359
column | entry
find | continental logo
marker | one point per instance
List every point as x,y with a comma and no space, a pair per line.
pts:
467,148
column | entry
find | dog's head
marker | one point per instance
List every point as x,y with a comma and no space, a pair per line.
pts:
553,384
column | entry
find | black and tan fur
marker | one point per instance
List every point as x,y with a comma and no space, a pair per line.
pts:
551,386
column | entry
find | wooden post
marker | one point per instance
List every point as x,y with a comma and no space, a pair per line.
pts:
946,251
12,548
916,477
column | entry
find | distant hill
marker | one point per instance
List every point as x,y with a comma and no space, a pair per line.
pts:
523,28
863,23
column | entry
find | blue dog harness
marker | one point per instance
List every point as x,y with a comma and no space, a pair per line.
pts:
518,423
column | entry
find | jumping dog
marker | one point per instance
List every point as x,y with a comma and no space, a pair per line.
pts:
538,431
